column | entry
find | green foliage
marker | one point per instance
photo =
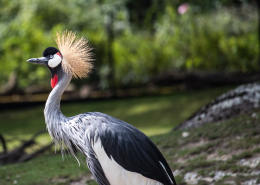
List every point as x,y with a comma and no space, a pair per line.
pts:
222,40
149,38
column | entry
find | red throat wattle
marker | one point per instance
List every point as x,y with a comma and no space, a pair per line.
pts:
54,81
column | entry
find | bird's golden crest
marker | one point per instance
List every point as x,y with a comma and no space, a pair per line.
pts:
76,54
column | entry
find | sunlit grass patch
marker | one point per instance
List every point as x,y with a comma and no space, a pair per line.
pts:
153,115
42,170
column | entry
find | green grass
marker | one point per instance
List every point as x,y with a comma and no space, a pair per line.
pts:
51,169
48,169
238,137
153,115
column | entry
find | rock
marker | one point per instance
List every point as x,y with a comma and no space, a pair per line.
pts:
252,162
191,178
254,115
208,179
176,172
250,182
232,103
185,134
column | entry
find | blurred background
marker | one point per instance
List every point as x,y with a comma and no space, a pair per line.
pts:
135,43
156,64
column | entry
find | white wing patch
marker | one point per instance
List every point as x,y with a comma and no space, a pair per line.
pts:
115,173
166,172
55,61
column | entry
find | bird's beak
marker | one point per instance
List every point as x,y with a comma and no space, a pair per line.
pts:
41,60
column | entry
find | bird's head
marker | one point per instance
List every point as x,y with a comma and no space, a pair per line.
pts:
73,57
52,58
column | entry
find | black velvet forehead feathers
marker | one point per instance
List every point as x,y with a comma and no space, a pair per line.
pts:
50,51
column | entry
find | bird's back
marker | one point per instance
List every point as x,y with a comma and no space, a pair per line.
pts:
122,153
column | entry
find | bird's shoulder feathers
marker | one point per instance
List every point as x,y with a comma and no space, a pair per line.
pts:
128,146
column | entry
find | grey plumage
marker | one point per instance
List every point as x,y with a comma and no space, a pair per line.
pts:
116,152
83,130
70,132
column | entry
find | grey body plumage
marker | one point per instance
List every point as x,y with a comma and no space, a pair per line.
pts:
116,152
82,131
70,132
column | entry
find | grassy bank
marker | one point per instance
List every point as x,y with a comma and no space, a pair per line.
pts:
230,148
218,153
153,115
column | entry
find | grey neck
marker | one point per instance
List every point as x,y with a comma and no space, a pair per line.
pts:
57,123
52,111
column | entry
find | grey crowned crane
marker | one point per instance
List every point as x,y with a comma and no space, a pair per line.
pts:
116,152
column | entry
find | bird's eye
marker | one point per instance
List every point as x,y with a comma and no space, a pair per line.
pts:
54,60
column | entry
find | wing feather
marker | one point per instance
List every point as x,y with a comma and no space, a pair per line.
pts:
131,149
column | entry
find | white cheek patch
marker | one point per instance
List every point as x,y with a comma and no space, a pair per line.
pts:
56,60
